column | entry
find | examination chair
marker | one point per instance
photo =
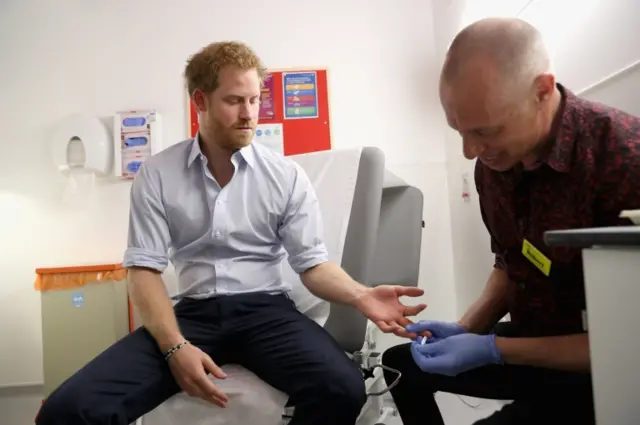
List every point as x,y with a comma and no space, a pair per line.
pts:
373,229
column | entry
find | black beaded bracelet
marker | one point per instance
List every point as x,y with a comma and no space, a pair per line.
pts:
171,351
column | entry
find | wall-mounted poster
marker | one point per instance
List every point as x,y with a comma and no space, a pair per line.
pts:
300,95
267,111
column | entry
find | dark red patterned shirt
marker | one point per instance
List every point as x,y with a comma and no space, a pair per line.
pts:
591,172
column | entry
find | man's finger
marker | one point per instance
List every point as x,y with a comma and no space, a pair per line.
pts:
192,389
214,400
217,401
433,349
395,326
385,327
210,390
421,326
404,322
408,291
213,368
414,310
404,334
431,364
417,357
414,335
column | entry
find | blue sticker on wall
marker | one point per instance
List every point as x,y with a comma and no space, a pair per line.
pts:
77,299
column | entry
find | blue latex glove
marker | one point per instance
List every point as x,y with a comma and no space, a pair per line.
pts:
456,354
439,330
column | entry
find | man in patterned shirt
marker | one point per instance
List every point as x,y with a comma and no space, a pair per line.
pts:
548,159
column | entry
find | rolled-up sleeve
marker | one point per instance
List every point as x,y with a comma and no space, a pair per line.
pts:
301,229
148,238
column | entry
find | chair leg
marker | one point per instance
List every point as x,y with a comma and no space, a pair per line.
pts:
386,412
287,415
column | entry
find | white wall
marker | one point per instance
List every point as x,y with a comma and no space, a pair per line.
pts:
98,57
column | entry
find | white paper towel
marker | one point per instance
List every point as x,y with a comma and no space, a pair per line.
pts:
79,188
94,137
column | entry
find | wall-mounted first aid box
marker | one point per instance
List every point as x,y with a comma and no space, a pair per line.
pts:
136,136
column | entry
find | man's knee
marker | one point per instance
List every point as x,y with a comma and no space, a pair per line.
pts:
399,358
65,406
73,404
396,357
344,387
350,386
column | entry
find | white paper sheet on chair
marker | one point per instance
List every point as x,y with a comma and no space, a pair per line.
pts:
252,401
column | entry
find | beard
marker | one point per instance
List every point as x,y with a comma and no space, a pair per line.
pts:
235,137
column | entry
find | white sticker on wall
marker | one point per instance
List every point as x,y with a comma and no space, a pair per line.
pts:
77,299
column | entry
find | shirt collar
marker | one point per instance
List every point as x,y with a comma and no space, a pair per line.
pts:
195,152
564,131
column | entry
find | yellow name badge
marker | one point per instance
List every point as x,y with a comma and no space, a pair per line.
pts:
536,257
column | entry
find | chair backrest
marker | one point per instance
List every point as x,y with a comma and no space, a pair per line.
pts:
398,247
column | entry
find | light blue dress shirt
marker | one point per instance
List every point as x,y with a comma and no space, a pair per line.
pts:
227,240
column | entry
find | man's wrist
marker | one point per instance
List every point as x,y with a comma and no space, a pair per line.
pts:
464,325
170,352
502,345
167,343
359,294
496,354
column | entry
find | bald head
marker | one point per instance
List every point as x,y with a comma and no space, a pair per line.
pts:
497,91
507,49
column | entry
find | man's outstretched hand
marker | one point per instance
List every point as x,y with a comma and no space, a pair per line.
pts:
383,307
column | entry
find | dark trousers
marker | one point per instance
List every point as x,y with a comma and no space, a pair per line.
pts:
541,396
264,333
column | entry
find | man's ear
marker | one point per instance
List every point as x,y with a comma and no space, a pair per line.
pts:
199,99
545,85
